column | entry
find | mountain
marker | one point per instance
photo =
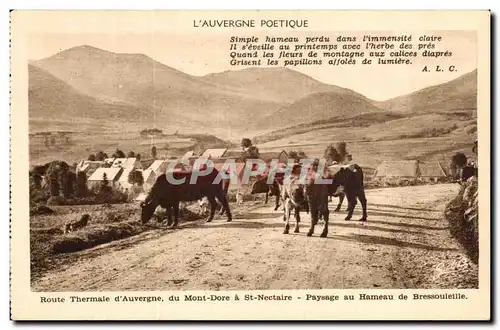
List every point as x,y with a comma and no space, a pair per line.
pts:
273,84
319,106
457,94
238,99
139,81
52,99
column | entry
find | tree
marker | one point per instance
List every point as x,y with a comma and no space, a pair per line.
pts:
36,180
118,154
138,156
131,154
63,178
459,160
342,150
69,188
246,143
105,188
92,158
81,184
136,178
297,155
53,180
331,154
153,152
100,156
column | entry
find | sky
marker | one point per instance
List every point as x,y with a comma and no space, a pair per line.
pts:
199,52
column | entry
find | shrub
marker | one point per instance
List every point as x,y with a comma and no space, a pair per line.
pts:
56,200
40,209
462,214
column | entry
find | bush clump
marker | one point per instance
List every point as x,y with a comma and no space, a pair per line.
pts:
463,214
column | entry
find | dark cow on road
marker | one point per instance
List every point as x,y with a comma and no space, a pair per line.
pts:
317,195
168,195
261,186
351,178
341,196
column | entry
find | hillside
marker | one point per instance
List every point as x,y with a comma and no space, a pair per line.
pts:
319,106
273,84
168,95
52,99
457,94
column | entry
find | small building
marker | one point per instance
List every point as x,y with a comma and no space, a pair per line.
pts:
213,153
281,156
159,166
397,171
89,167
129,163
112,175
149,179
432,171
122,183
188,155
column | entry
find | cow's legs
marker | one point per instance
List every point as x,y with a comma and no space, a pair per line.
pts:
339,205
213,206
326,212
297,219
314,218
277,202
362,200
222,209
225,206
287,213
267,197
176,215
168,210
351,200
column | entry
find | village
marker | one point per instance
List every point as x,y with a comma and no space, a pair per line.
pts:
118,171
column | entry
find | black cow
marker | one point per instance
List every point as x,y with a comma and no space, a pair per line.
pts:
317,195
351,178
340,195
260,186
168,195
467,172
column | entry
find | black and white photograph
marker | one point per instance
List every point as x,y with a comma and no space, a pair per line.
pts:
229,152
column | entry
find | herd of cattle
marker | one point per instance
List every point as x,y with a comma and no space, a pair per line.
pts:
294,194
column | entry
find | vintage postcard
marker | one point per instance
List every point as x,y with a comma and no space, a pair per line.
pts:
250,165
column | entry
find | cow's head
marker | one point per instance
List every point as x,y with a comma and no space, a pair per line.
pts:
260,186
148,208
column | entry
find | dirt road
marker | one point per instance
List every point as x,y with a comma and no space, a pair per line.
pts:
404,244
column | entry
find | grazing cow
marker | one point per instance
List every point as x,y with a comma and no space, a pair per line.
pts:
260,186
75,225
351,178
294,199
168,195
